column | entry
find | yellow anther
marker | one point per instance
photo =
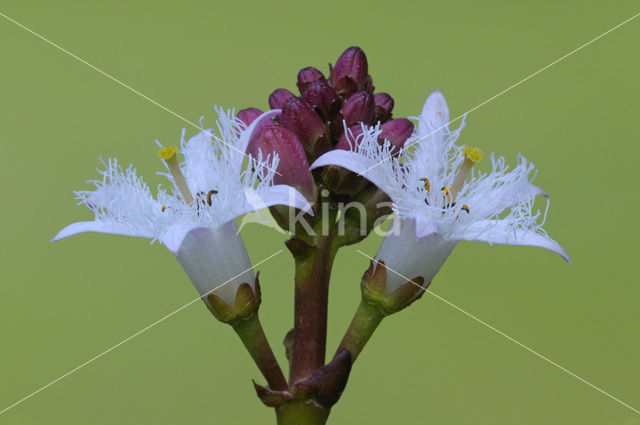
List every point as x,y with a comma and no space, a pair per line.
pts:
472,154
211,192
164,208
465,207
427,185
168,152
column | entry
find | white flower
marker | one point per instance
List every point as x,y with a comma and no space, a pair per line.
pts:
195,218
436,205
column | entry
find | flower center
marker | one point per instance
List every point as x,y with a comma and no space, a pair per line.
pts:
471,156
169,156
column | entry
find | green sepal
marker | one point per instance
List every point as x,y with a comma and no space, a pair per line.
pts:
374,290
246,303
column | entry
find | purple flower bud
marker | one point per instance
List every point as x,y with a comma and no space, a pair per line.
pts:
299,117
322,97
349,143
397,132
384,106
247,116
368,85
307,76
278,97
350,73
292,165
360,107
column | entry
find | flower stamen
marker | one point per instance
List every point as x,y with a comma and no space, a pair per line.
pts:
169,156
471,156
211,192
427,185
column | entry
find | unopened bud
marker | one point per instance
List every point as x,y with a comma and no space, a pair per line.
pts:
322,97
360,107
278,97
384,106
293,167
307,76
397,132
350,72
247,116
368,85
299,117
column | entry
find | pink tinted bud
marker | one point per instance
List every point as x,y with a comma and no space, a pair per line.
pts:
278,97
360,107
247,116
350,72
321,96
384,106
307,76
349,143
397,132
292,165
299,117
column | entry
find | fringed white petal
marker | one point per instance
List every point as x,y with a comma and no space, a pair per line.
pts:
434,119
357,163
97,226
277,195
502,232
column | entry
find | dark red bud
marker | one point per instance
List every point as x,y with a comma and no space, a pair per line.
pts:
397,132
384,106
349,143
368,85
278,97
350,72
299,117
307,76
322,97
360,107
292,165
247,116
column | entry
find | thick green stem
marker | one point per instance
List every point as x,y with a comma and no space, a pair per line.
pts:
364,323
302,413
313,270
252,335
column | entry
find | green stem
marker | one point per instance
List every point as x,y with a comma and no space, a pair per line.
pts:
302,413
364,323
252,335
313,271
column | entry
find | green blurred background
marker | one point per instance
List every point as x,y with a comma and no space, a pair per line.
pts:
63,303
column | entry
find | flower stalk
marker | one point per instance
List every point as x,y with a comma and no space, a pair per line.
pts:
252,335
364,323
302,413
313,265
